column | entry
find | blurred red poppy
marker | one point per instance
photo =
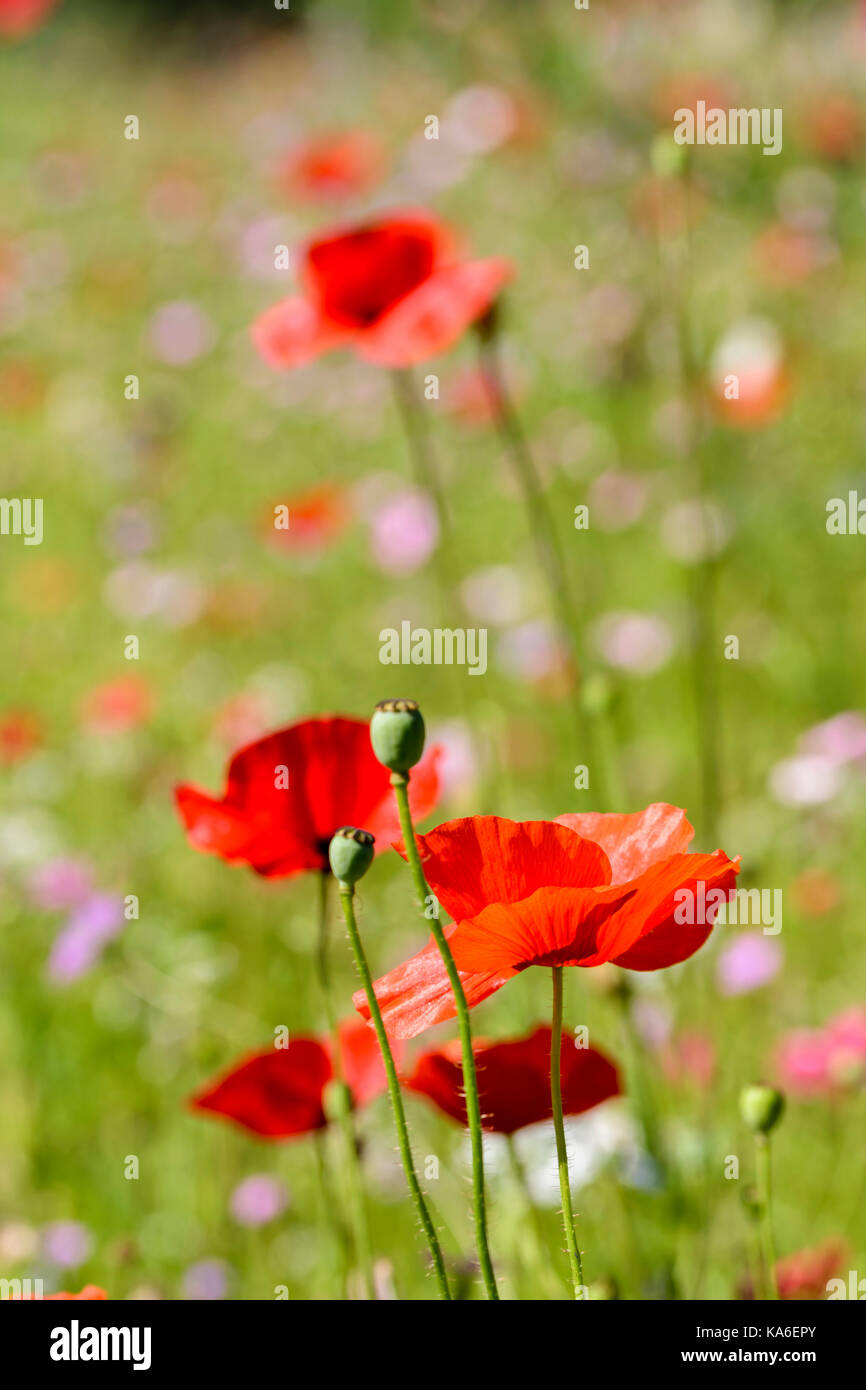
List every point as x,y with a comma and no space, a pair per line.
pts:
279,1093
118,705
310,520
20,735
332,166
514,1080
582,890
394,290
806,1274
287,793
90,1292
21,17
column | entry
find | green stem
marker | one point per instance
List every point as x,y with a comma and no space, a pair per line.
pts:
768,1244
343,1108
430,907
423,463
561,1150
347,894
544,538
542,1268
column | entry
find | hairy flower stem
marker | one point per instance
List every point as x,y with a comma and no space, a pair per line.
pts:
559,1128
541,1258
347,894
430,908
342,1107
768,1244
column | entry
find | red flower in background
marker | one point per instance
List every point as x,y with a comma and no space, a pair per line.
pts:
18,18
315,518
288,793
394,290
332,166
117,705
582,890
20,735
514,1080
279,1093
806,1274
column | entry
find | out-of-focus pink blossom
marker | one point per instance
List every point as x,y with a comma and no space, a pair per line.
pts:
258,1199
813,1062
638,643
66,1243
808,780
841,739
404,532
82,940
749,962
534,651
206,1280
180,332
60,884
617,499
695,531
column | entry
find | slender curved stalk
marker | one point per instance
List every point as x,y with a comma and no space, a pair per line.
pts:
542,1268
768,1244
342,1107
347,894
548,553
561,1150
430,908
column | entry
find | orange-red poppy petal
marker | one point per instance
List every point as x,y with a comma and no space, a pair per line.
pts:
554,926
417,993
649,932
478,860
294,332
634,841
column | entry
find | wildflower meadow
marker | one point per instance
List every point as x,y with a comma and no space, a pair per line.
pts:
433,722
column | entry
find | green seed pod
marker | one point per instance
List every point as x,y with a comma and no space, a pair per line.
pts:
350,853
761,1107
397,734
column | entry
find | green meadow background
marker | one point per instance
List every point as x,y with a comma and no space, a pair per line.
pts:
99,1069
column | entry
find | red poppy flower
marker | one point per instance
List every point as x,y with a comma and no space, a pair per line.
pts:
90,1292
279,1093
806,1274
514,1080
332,166
395,290
21,17
582,890
287,793
314,519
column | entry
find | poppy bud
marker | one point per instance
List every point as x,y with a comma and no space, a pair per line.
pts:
761,1107
350,853
397,734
